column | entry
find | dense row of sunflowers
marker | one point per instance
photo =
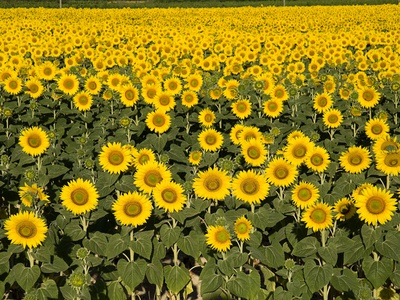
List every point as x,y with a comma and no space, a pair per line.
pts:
256,147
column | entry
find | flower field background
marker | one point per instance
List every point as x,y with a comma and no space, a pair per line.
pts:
255,148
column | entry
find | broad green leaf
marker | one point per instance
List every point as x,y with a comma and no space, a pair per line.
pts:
54,171
281,294
298,285
125,184
4,262
395,277
115,246
390,246
243,285
377,272
142,243
184,214
317,276
169,235
306,247
356,252
274,255
269,278
189,246
27,277
329,254
105,183
48,289
74,231
132,273
68,292
176,278
210,281
265,217
116,291
370,235
155,273
346,281
341,243
55,265
97,243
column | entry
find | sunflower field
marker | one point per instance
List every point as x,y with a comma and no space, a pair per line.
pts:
230,153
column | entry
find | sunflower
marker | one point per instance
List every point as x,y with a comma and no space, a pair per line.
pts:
344,209
25,229
241,108
93,85
150,93
388,162
218,238
129,95
322,102
294,135
150,80
305,194
360,189
368,97
317,159
132,209
375,205
250,187
34,88
268,82
149,175
143,156
332,118
68,84
158,121
235,132
279,92
254,152
189,98
210,140
329,86
79,196
12,85
83,100
376,128
46,71
297,150
114,81
215,93
195,157
248,133
194,82
273,108
280,172
169,195
355,160
164,101
34,141
30,193
385,143
114,158
213,184
318,217
206,117
243,228
173,85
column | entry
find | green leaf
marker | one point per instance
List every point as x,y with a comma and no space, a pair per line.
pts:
74,231
329,254
189,246
346,281
210,281
184,214
269,278
54,171
265,217
370,235
274,255
243,285
4,262
48,289
356,252
306,247
395,277
105,183
55,265
115,246
125,184
390,246
377,272
68,292
169,235
142,243
176,278
317,276
97,243
281,294
116,291
155,273
26,277
132,273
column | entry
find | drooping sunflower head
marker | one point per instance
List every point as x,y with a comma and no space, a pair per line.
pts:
280,172
218,238
169,195
210,140
375,205
355,160
344,209
250,186
26,229
243,228
150,174
132,209
318,217
79,196
34,141
31,193
376,128
212,184
305,194
115,158
254,152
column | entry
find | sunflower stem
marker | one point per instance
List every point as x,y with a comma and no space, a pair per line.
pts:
326,288
30,257
131,252
39,163
387,181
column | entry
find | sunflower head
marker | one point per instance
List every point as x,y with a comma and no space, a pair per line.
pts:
243,228
132,209
34,141
218,238
318,217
